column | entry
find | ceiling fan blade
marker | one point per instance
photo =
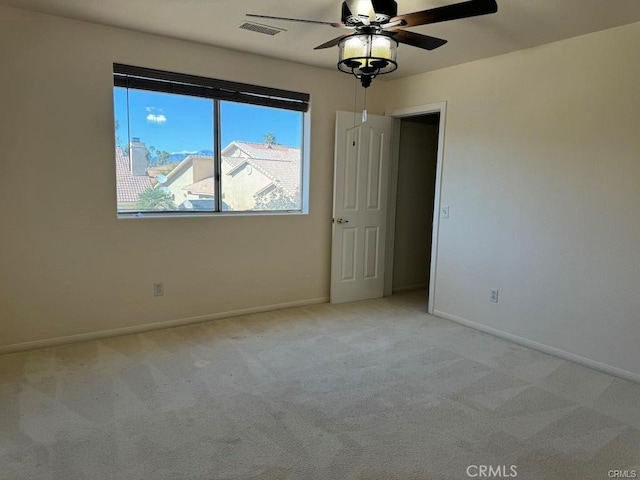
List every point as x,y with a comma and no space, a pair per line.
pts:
336,25
363,9
471,8
417,39
332,43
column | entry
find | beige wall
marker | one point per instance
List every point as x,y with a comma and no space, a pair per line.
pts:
202,168
68,265
414,204
238,190
177,183
542,175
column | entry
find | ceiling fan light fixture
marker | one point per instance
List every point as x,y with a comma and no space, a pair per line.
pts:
371,50
367,55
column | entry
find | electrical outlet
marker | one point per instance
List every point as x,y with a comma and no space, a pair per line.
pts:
444,212
158,289
493,298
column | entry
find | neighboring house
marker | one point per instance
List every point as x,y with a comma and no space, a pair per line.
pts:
191,183
131,175
255,170
250,171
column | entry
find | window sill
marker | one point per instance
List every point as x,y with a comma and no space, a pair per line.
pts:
139,216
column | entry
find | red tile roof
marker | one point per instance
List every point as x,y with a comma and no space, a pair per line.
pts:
280,164
129,187
203,187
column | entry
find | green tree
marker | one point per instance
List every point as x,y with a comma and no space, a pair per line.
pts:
156,199
163,157
278,200
151,152
118,138
270,139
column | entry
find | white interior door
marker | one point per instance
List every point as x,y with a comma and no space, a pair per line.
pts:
360,184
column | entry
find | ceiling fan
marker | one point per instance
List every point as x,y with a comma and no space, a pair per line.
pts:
376,29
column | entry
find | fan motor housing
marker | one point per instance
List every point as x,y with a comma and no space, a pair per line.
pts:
385,10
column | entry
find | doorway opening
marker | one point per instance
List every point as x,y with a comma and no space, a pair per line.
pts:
415,190
416,171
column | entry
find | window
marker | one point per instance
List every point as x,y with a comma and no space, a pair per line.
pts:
193,145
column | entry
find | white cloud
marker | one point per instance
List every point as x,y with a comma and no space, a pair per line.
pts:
155,115
157,119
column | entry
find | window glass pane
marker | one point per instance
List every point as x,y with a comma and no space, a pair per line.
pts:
164,152
261,158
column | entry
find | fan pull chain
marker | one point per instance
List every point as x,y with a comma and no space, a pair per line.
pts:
355,105
364,107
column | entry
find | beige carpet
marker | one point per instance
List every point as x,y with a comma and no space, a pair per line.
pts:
369,390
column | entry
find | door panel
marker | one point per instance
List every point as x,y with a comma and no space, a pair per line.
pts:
371,252
349,236
351,170
375,162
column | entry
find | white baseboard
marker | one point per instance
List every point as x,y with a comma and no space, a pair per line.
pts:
83,337
407,288
587,362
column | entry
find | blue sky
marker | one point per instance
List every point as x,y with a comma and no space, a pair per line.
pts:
177,123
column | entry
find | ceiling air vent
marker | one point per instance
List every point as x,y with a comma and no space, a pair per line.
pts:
256,27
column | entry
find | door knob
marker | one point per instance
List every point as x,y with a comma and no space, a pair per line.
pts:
341,221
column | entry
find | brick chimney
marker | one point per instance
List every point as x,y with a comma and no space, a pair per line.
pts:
138,157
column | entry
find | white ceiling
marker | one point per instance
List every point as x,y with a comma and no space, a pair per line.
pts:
518,24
